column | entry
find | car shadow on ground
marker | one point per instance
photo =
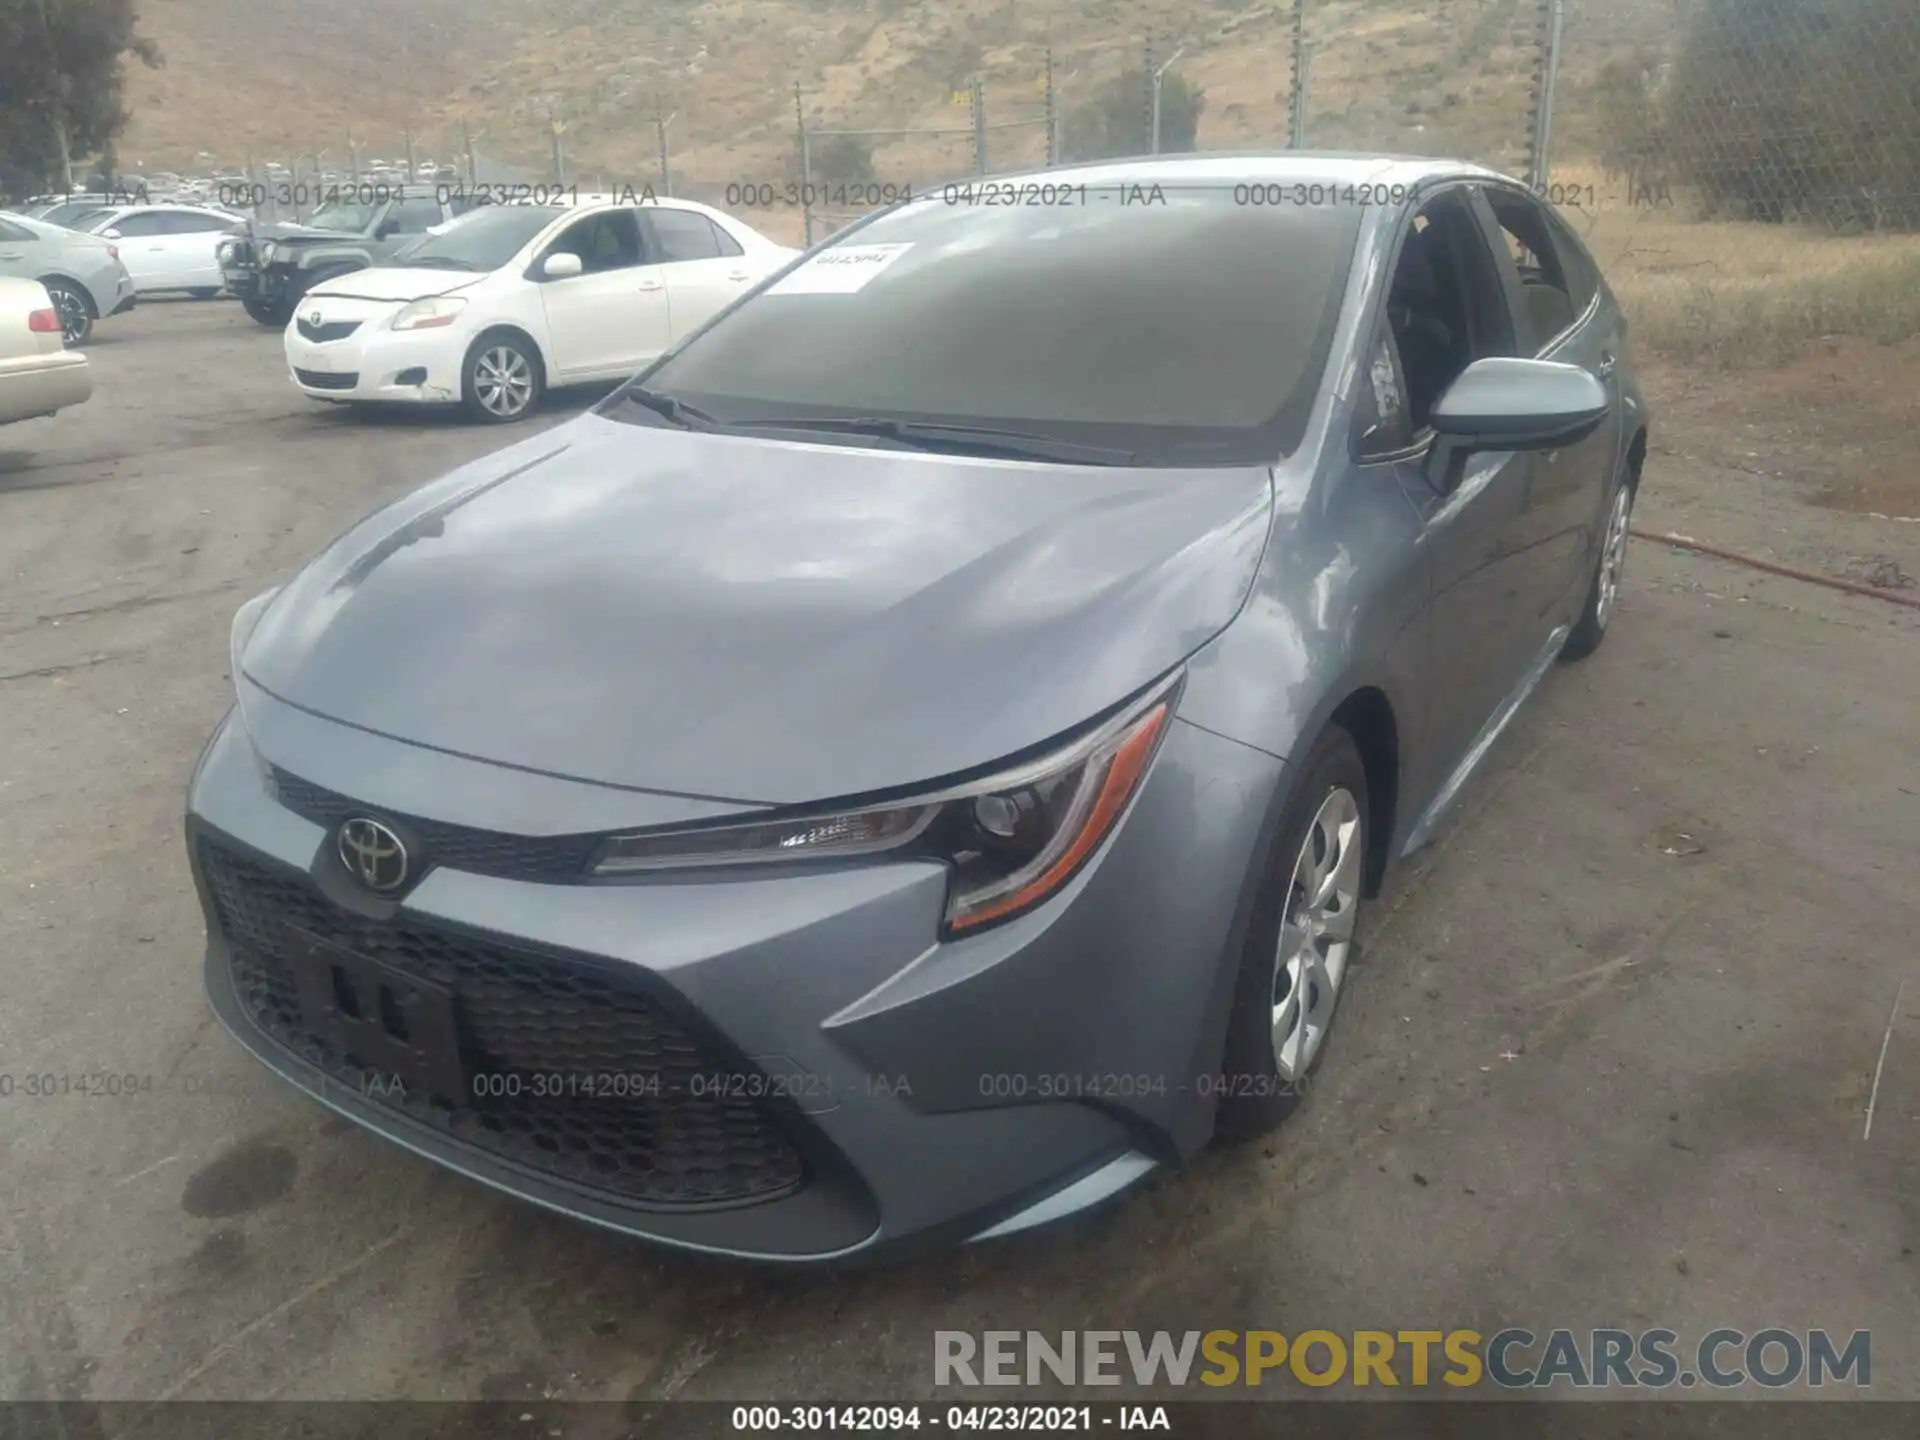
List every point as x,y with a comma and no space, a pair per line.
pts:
555,405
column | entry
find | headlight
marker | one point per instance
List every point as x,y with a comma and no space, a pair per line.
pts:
223,252
426,314
1010,840
267,252
244,621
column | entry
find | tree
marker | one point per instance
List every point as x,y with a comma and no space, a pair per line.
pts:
1780,110
62,80
1118,119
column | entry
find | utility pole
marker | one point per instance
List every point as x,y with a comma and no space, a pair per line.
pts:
466,146
1158,76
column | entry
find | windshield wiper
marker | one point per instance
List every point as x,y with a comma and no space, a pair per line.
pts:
966,439
678,411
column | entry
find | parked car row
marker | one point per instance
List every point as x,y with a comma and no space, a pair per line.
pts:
507,301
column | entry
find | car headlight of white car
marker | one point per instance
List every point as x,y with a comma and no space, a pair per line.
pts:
428,314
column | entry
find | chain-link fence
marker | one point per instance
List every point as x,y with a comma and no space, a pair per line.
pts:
1748,171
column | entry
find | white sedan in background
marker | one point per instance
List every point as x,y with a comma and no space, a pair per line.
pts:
515,299
168,247
38,374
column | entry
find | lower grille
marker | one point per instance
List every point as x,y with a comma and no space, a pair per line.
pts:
326,379
577,1073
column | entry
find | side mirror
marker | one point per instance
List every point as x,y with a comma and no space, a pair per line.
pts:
110,234
386,228
1502,403
561,265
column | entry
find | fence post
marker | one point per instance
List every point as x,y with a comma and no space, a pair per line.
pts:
806,168
1297,90
1547,72
1053,117
979,108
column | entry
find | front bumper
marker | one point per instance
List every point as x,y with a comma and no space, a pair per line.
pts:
377,364
929,1093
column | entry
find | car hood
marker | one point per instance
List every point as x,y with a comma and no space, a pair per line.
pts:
396,282
743,619
283,232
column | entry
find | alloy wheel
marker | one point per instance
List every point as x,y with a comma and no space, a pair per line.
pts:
1316,933
74,323
503,380
1613,559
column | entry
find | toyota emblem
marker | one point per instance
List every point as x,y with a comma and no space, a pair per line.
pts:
373,854
313,317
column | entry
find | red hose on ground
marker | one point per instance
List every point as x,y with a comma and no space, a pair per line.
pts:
1851,587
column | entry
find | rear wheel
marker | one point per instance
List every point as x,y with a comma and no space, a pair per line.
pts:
501,380
1302,940
1602,595
75,310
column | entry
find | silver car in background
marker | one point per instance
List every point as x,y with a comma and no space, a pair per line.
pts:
83,273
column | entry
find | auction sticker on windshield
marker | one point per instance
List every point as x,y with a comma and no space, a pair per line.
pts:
840,271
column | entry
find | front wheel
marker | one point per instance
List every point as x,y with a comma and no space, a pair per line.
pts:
274,314
1591,628
76,315
501,380
1301,942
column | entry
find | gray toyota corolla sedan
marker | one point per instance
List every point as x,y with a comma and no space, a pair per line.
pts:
915,759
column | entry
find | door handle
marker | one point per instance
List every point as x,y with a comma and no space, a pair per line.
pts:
649,285
1607,364
739,275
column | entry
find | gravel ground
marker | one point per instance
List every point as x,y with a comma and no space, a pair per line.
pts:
1606,1062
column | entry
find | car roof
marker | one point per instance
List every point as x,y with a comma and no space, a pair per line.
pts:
1258,167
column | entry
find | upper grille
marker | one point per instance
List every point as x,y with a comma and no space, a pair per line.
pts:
325,379
331,330
458,847
545,1029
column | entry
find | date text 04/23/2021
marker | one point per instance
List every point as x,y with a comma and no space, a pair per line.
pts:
892,1419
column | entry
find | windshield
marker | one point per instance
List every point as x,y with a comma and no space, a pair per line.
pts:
343,215
1173,324
479,240
72,212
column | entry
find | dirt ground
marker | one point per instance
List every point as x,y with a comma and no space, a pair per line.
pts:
1606,1062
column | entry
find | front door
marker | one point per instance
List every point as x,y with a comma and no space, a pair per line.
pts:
605,321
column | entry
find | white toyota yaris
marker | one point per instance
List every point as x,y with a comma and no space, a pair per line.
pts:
511,300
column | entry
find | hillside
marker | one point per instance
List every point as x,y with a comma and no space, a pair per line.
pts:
276,79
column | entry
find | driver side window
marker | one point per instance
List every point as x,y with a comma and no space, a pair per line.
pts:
1445,304
607,241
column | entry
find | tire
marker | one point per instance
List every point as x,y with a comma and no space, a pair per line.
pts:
1270,1054
1603,593
274,314
76,311
502,379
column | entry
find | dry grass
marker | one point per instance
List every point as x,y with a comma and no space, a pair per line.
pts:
1735,293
